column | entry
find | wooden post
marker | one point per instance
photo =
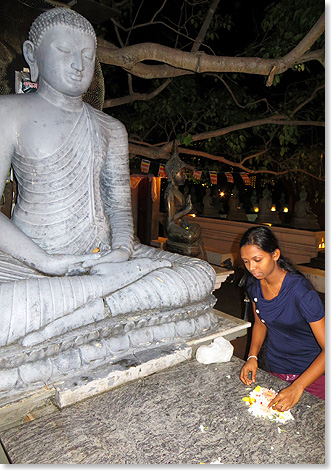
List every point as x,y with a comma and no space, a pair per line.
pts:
155,192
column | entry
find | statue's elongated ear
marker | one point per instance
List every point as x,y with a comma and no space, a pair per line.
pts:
30,57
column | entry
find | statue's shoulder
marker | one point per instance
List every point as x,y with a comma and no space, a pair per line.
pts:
108,124
12,105
14,111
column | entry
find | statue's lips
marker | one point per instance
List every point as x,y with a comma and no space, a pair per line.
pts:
76,78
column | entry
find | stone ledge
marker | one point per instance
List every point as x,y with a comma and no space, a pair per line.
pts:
129,367
221,275
224,236
235,327
140,364
135,367
27,408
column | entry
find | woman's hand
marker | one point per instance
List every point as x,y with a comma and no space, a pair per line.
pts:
286,398
250,366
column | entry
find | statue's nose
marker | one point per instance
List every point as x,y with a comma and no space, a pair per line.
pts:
77,63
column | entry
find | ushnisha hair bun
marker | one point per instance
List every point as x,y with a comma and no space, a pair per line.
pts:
59,16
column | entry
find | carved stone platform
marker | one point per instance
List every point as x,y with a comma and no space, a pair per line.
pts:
315,275
25,368
124,367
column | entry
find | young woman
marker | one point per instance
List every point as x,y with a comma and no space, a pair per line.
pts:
287,307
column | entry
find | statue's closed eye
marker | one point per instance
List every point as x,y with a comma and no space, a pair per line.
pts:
63,49
88,55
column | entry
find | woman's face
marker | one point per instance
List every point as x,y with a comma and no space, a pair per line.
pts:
258,262
65,59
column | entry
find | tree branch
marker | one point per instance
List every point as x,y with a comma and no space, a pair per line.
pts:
205,26
312,96
164,151
156,154
306,43
178,62
250,157
259,122
243,167
233,96
111,103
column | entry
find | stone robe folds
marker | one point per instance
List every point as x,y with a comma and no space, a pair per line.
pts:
71,202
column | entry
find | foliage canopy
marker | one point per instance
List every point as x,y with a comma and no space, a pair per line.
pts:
226,118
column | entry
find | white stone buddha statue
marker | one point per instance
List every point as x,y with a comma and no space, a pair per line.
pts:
72,166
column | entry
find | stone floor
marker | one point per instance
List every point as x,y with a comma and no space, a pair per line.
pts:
188,414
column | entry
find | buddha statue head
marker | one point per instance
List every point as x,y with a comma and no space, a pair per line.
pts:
303,193
174,165
61,50
175,169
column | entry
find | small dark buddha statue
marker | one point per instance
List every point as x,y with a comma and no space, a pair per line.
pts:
303,216
183,237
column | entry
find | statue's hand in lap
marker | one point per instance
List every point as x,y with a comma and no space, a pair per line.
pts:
58,265
136,267
115,256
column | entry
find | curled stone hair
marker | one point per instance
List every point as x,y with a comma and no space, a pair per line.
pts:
59,16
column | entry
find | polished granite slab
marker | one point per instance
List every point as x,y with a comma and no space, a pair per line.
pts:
188,414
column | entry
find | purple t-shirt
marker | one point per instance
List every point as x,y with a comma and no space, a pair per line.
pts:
291,344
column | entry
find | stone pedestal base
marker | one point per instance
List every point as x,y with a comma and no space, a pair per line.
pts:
240,216
270,218
107,342
194,249
305,224
84,383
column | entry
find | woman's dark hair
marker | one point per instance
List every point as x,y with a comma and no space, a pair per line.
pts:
265,239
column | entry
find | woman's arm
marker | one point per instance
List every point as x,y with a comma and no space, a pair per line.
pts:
258,336
290,395
317,368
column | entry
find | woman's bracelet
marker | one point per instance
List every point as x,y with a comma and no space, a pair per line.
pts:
249,357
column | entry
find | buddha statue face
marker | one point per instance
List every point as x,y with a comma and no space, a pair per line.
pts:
65,59
180,177
61,51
